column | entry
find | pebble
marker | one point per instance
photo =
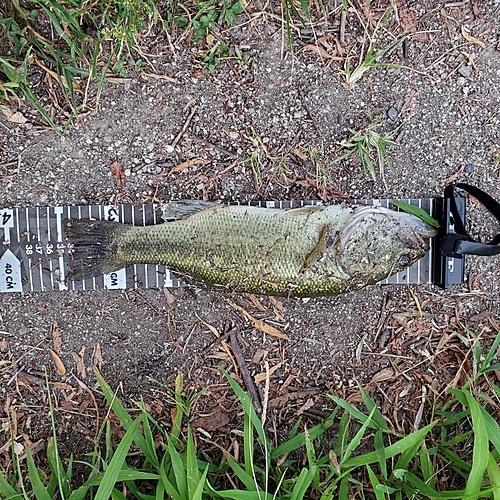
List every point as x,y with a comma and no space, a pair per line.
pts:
392,113
465,70
469,168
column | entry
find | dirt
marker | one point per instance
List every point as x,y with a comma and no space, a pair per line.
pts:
447,101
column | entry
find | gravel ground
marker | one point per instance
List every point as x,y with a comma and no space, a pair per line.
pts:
446,113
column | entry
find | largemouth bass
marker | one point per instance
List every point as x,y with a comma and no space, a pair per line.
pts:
310,251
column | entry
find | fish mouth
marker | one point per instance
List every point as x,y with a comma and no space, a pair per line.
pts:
423,229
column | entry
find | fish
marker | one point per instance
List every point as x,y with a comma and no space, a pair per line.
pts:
303,252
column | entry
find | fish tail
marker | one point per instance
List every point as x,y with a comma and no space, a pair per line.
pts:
93,247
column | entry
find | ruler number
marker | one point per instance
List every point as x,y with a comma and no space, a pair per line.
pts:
6,216
112,214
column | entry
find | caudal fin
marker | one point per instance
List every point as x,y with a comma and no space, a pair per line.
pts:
93,247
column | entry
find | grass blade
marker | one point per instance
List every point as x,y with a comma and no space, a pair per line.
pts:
392,450
118,461
416,211
356,439
480,452
38,489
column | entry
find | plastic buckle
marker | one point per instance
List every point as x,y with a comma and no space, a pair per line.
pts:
449,244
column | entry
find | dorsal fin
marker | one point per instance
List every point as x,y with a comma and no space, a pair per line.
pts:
307,210
177,210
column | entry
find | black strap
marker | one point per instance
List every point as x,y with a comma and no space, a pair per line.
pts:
461,243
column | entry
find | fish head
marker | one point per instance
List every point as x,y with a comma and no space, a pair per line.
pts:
377,242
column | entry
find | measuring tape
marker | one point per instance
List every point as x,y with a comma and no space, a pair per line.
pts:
34,256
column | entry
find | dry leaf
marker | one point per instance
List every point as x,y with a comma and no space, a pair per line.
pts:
17,118
318,51
259,324
169,296
62,385
209,326
80,366
260,377
41,309
56,337
7,112
217,419
185,164
453,177
385,374
472,39
118,173
306,406
97,356
4,345
476,11
61,370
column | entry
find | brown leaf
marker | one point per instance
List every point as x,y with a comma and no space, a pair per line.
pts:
472,39
118,173
62,385
17,118
316,49
4,345
61,370
97,356
56,337
185,164
80,366
41,309
217,419
260,377
169,296
453,177
259,324
384,374
259,355
477,13
306,406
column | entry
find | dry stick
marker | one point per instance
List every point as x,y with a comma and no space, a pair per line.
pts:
185,126
245,373
218,148
343,18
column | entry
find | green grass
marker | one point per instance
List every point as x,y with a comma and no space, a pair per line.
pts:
76,41
455,455
370,147
373,54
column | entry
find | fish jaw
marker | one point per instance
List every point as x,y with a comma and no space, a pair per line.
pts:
420,227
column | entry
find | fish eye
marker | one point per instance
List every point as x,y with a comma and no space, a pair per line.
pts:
404,259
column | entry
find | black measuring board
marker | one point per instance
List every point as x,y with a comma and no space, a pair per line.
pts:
34,256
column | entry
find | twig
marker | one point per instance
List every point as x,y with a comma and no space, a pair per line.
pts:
245,373
218,148
343,18
185,126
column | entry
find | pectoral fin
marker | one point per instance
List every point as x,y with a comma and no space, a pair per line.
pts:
316,251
